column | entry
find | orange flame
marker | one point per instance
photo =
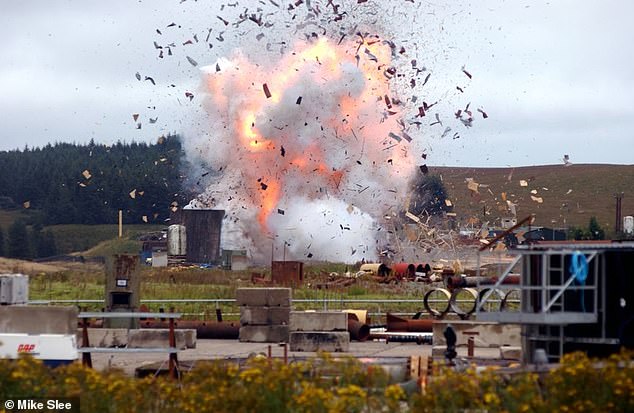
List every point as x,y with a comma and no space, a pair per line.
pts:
264,157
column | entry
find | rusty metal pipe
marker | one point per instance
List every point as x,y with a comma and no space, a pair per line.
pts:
204,329
395,323
457,281
358,330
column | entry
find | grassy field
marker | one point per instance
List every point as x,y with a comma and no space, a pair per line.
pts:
87,282
571,195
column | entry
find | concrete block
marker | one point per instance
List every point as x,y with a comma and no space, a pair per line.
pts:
104,337
318,321
438,351
251,296
254,316
278,297
261,297
264,334
489,334
38,320
264,315
331,341
511,352
159,337
279,315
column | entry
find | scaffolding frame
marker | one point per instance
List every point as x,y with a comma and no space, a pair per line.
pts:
546,308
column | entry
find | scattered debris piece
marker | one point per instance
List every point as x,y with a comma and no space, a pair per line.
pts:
267,92
192,61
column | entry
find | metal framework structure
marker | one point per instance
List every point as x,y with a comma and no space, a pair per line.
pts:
555,302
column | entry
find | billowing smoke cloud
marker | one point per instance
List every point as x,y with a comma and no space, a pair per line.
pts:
308,150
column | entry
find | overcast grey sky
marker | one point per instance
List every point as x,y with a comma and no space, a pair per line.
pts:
556,77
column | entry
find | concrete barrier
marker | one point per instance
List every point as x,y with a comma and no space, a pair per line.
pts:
38,320
264,297
141,338
155,337
104,337
511,353
330,341
264,334
264,315
318,321
487,334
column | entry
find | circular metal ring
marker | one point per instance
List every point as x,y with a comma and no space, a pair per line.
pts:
438,313
471,307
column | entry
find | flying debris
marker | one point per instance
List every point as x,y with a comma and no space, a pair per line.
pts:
466,73
150,79
267,92
192,61
226,23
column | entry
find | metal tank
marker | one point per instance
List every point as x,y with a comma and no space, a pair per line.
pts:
176,240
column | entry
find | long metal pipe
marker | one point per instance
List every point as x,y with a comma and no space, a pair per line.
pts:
204,329
395,323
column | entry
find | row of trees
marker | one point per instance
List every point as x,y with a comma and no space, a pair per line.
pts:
25,243
88,184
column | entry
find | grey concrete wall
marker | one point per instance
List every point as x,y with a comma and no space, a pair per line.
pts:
269,297
319,321
38,320
264,315
141,338
264,334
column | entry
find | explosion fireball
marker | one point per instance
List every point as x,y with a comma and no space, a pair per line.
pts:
309,150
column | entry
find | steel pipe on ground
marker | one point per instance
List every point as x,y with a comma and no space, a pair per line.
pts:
395,323
204,329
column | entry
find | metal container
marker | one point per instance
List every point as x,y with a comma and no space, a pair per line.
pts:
176,240
14,289
628,224
203,234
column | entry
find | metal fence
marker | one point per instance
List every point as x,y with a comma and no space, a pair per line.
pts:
206,307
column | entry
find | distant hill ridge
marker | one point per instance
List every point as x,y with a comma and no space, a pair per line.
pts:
569,195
